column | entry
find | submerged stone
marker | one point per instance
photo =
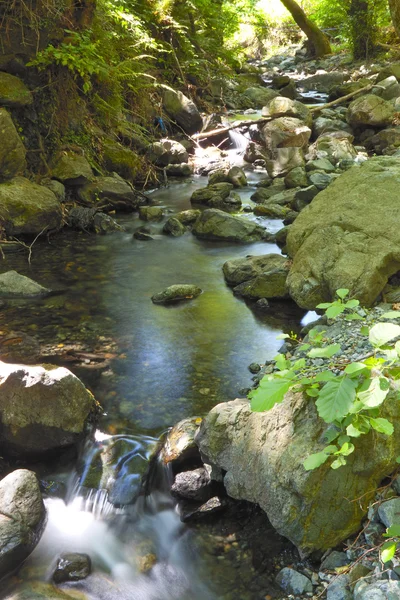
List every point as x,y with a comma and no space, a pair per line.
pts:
176,293
72,567
14,284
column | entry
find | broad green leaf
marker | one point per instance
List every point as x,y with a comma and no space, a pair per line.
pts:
364,330
334,310
352,303
325,376
299,364
346,449
353,317
373,392
282,336
324,305
355,367
336,398
343,439
392,314
388,551
339,462
312,392
398,459
330,434
353,431
382,333
393,531
326,352
305,381
390,355
330,449
342,293
281,362
382,426
272,392
305,347
315,460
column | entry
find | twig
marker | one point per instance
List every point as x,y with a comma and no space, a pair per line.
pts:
29,248
342,99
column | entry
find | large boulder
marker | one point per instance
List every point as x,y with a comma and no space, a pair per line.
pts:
14,284
182,110
256,277
122,160
72,169
12,150
257,97
286,132
322,82
215,190
285,107
335,146
238,270
348,237
28,208
42,409
110,193
13,92
261,455
370,110
167,152
283,160
214,224
22,518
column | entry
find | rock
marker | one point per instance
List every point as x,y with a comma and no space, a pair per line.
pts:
370,110
22,518
342,234
213,506
167,152
72,567
296,178
285,107
29,209
271,285
56,187
192,485
320,180
42,591
182,110
13,92
204,195
42,409
72,169
19,347
304,197
389,512
386,141
348,88
174,227
12,150
240,270
188,217
142,235
123,161
179,170
285,132
388,88
218,176
111,193
283,160
176,293
279,81
91,219
323,125
281,235
12,284
151,213
262,305
262,456
320,164
271,211
12,63
237,177
265,195
293,582
179,446
388,71
335,147
339,589
216,225
323,82
231,204
379,590
257,97
333,560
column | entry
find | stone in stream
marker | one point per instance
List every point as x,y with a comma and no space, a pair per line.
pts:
296,178
231,204
188,217
28,208
42,409
72,169
43,591
174,227
189,513
22,518
176,293
257,97
193,485
168,153
283,160
72,566
285,107
111,193
12,284
151,213
214,224
179,447
370,110
204,195
12,150
180,170
239,270
293,582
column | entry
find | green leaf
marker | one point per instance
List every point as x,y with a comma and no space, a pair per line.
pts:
335,399
326,352
392,314
352,303
334,310
330,434
355,367
339,462
282,336
315,460
354,317
312,392
281,362
382,333
382,426
324,305
373,392
272,392
398,459
325,376
305,347
364,330
342,293
353,431
343,439
299,364
388,551
393,531
346,449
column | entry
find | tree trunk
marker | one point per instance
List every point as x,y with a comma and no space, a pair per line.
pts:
318,40
394,6
363,30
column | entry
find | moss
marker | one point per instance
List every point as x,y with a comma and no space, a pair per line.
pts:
123,161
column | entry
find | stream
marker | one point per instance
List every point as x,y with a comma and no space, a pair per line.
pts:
165,363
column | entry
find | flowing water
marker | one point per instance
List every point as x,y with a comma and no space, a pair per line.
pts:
163,364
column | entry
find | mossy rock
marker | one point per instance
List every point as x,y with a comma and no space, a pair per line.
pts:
12,150
13,92
122,160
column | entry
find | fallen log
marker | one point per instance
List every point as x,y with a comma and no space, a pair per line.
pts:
206,134
342,99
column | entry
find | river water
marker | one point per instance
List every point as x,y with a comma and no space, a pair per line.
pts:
165,363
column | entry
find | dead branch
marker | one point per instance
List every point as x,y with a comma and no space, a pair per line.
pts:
342,99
